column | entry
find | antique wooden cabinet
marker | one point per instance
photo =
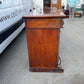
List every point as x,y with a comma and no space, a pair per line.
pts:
43,37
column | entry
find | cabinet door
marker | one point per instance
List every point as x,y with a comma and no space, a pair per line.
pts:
43,47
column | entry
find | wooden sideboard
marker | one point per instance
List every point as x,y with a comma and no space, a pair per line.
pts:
43,37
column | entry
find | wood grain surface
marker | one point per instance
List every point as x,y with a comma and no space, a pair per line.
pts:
43,37
43,23
42,46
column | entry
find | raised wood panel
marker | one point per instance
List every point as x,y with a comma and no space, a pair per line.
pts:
42,47
43,23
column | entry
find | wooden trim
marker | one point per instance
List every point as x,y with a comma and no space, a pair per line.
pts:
58,5
34,69
43,23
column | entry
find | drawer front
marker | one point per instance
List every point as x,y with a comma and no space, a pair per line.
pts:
43,23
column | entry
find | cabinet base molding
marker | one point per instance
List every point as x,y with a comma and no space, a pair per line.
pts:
58,70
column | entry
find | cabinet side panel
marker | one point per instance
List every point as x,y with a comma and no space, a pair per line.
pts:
42,47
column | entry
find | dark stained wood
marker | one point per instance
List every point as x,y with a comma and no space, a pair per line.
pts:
47,70
43,45
43,37
43,23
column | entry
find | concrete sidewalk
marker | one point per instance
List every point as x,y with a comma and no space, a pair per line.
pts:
14,67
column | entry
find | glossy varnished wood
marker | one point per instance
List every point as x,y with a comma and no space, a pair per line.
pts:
43,23
43,37
45,13
42,46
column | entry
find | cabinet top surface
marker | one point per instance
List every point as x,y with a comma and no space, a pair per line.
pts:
45,13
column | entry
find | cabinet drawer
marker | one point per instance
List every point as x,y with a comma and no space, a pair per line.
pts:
43,23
